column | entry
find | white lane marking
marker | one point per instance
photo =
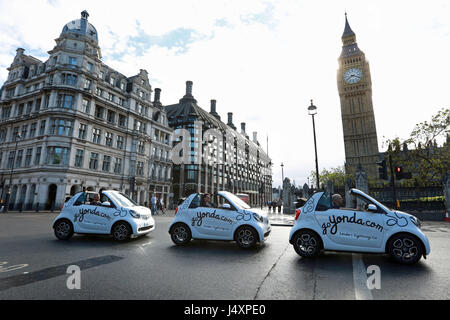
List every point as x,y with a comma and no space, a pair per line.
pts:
362,292
10,268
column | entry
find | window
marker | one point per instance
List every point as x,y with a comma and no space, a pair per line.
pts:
20,109
33,129
6,112
12,155
111,118
42,128
79,158
111,81
99,92
121,102
108,139
110,97
96,135
141,147
73,61
93,161
122,120
46,101
140,168
101,74
87,84
29,107
82,131
65,101
61,127
122,86
120,141
106,163
57,155
2,136
85,106
37,158
28,157
99,111
118,165
69,79
24,131
19,159
324,202
90,66
37,106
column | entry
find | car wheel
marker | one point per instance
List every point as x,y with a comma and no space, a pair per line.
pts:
180,234
246,237
121,231
63,230
405,248
307,243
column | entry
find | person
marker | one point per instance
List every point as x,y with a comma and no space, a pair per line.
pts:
337,200
270,205
206,201
279,205
161,203
96,200
153,203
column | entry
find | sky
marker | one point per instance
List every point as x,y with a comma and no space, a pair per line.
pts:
262,60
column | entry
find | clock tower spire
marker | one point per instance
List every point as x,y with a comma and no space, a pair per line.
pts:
358,118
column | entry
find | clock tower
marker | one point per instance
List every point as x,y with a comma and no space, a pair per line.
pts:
358,119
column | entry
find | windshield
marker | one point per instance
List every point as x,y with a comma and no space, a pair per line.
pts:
122,199
237,201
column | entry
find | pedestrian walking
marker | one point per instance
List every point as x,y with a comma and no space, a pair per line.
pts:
154,207
269,203
279,205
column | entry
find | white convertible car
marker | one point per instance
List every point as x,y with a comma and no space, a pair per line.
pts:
226,217
114,214
371,228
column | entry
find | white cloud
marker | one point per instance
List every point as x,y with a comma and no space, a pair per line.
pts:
265,60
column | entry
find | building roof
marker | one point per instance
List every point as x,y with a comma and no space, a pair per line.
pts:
348,30
81,27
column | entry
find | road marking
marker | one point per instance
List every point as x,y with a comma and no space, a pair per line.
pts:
10,268
360,278
52,272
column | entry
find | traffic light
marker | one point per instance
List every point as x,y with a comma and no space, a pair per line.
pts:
382,171
399,172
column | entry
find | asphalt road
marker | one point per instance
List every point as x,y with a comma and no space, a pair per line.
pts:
33,265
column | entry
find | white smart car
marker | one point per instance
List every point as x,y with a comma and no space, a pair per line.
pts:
371,228
114,214
225,217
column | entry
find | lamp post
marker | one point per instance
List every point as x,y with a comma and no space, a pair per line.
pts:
312,110
282,181
8,195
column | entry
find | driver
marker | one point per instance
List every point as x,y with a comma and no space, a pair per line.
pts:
207,201
96,200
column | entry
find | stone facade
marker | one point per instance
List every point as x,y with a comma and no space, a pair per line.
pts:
358,119
73,123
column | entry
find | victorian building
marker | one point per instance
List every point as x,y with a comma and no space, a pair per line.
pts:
73,123
216,156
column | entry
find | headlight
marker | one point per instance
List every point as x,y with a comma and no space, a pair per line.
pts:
416,221
134,214
258,217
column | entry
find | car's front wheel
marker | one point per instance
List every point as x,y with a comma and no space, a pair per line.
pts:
246,237
306,243
121,231
63,229
405,248
180,234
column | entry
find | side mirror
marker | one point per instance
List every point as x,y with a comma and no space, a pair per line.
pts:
226,206
372,208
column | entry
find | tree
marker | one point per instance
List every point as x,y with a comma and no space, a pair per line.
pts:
336,175
420,153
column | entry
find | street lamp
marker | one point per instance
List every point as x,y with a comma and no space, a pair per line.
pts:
8,196
312,110
282,180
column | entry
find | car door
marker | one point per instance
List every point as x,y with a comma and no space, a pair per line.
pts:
224,218
202,218
350,227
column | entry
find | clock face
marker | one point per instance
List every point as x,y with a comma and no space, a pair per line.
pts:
353,75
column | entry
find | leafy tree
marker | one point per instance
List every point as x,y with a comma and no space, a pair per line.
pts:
335,175
420,153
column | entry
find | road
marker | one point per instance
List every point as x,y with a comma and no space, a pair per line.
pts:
33,265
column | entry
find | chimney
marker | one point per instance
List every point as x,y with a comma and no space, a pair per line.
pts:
189,88
230,120
255,137
243,127
157,94
20,51
213,106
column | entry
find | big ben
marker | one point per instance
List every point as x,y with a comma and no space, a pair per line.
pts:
358,119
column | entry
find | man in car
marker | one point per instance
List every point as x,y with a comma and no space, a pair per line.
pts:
96,200
206,201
